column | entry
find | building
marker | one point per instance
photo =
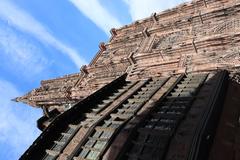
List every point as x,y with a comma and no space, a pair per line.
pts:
165,87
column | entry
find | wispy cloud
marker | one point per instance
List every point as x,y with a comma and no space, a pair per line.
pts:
23,21
97,14
20,55
144,8
17,127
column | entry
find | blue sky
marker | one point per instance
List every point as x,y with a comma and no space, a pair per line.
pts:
45,39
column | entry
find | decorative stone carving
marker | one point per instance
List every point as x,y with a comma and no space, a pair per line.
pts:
168,41
227,27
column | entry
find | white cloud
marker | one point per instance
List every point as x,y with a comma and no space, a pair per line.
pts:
20,54
144,8
26,23
97,14
17,129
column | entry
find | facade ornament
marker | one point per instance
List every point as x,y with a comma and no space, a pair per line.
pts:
154,17
145,32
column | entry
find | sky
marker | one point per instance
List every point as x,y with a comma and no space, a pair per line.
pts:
46,39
